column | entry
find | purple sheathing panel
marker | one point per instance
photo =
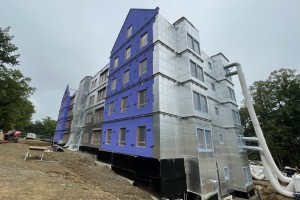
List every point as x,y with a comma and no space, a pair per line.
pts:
136,83
130,146
62,116
141,21
137,18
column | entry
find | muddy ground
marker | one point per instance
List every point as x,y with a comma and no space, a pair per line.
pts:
70,175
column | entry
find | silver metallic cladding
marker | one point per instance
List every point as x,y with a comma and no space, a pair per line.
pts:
175,128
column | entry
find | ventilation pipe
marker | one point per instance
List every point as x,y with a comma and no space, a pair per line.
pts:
257,172
269,165
286,191
255,122
259,175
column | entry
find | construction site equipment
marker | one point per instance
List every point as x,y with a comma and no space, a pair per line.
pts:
10,136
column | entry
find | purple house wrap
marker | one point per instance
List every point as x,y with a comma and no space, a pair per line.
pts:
138,25
62,116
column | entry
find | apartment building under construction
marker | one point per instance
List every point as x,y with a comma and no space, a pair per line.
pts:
162,112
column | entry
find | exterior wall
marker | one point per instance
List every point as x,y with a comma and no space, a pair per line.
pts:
130,146
62,117
76,131
170,117
92,127
176,127
69,119
136,83
141,21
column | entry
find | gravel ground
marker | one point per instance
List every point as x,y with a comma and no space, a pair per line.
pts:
61,175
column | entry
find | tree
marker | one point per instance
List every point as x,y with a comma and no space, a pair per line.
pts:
49,125
15,108
7,48
277,105
45,127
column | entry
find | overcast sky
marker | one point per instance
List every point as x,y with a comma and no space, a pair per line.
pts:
61,41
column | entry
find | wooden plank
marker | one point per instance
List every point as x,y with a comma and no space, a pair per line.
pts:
37,148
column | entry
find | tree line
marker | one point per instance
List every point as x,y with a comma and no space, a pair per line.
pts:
16,109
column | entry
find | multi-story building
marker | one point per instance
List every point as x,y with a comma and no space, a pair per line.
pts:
69,119
85,113
170,114
94,112
61,122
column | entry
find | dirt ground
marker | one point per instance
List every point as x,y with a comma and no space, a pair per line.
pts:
70,175
61,175
268,192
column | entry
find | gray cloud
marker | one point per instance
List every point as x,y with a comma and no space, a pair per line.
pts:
60,42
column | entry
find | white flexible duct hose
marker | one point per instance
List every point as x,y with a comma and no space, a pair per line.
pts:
291,186
258,177
284,191
260,172
251,139
257,128
257,172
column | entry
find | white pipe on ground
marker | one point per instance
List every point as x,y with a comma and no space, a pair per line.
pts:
258,177
256,125
257,172
291,186
284,191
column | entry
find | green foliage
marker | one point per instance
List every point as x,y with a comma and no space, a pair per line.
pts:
44,127
277,105
7,48
15,108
